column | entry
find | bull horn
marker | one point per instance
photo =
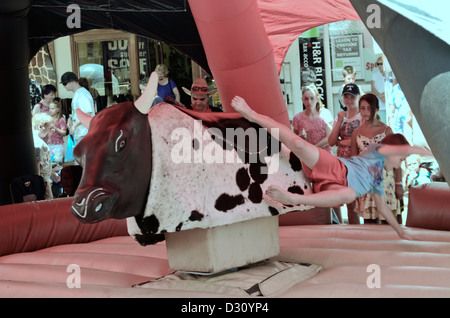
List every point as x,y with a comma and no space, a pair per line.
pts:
84,118
145,101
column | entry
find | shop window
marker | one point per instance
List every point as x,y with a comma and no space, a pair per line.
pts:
115,63
107,61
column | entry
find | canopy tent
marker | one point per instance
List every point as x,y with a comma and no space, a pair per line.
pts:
171,21
27,25
168,21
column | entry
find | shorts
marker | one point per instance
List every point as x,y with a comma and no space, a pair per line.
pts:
329,170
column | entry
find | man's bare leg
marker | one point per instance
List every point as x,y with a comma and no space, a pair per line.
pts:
306,152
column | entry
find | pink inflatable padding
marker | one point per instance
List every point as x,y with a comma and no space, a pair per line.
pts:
285,21
240,55
429,206
34,225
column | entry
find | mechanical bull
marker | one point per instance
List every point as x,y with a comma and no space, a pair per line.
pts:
173,169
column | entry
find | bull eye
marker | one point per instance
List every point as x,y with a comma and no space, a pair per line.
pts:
120,142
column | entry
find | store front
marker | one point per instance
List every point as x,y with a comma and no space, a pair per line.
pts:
115,63
111,63
320,55
105,59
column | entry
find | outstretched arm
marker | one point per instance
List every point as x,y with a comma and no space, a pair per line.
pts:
403,150
382,208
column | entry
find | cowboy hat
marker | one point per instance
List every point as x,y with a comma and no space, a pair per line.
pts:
199,87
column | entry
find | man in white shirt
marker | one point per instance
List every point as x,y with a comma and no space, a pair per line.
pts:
82,100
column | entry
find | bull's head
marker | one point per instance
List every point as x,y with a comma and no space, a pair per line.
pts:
116,160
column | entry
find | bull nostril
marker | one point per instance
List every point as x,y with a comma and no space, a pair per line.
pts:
98,207
93,201
81,203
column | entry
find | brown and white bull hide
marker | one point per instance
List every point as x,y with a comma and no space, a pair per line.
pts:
199,182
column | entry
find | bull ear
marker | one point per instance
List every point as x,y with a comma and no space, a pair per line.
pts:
84,118
145,101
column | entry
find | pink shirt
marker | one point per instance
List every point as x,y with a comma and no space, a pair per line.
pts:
315,129
53,138
43,108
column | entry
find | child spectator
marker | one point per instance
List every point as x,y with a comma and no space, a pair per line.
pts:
41,128
58,129
341,133
349,77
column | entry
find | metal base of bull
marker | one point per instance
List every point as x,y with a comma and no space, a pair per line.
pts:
224,247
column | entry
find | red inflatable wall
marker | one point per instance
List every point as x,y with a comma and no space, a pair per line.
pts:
240,55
